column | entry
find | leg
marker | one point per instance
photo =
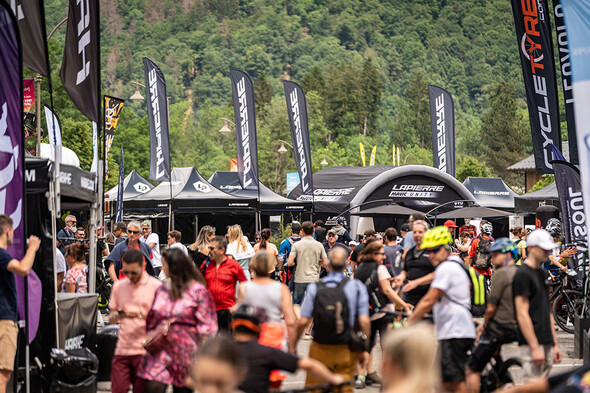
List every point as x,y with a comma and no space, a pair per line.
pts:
344,364
178,389
155,387
453,357
8,337
121,374
138,383
223,321
298,295
473,380
4,378
488,345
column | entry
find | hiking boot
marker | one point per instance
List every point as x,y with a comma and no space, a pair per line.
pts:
373,378
359,383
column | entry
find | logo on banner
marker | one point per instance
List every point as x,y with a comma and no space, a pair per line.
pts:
141,187
153,86
441,142
17,9
201,187
303,165
7,173
415,191
83,39
245,131
74,342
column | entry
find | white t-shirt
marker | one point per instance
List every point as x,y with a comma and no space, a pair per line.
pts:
181,247
383,274
156,258
232,249
61,262
452,318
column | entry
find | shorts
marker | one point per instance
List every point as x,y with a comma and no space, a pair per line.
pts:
380,325
489,343
8,337
530,369
299,292
454,353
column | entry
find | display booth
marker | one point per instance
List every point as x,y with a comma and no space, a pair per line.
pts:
528,203
491,192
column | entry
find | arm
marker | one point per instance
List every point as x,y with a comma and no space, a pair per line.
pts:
60,280
23,267
473,248
424,280
556,350
289,317
392,295
425,304
324,262
152,245
521,304
301,325
318,370
241,293
399,279
291,260
365,324
112,272
490,311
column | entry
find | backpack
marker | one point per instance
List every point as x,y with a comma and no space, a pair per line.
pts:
482,258
367,274
476,288
331,314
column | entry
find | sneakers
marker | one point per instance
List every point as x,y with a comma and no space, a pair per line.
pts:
359,383
373,378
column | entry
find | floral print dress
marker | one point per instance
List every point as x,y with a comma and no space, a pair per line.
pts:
193,317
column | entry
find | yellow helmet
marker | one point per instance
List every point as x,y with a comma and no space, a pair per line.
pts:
436,237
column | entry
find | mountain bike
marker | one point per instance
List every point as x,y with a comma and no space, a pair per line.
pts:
567,303
498,372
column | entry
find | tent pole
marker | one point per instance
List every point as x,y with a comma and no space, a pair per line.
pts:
55,251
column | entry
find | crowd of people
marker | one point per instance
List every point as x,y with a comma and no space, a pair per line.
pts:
225,314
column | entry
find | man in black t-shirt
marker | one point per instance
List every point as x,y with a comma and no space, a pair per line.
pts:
418,269
531,302
262,359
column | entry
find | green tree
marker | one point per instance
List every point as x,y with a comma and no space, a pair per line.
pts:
371,90
414,114
470,167
262,93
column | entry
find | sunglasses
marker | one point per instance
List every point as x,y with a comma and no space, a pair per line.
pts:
211,248
379,253
132,232
145,229
130,272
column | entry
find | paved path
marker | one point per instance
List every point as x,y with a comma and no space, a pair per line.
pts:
297,380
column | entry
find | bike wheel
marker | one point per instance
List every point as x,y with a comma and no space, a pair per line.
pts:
566,306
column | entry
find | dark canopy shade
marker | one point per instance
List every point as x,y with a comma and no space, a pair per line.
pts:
198,195
270,202
472,212
157,199
387,210
528,203
491,192
133,185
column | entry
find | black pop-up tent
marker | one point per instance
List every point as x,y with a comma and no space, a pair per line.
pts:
529,203
270,202
491,192
133,185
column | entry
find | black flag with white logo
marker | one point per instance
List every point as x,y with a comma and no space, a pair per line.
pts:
566,77
297,109
245,116
80,70
538,69
158,119
30,15
442,123
569,189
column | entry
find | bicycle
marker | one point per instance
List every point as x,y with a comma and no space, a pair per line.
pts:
498,372
567,303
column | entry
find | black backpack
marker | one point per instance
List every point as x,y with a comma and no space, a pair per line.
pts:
367,274
482,257
331,315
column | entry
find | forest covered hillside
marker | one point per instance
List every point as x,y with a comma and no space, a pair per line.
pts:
364,65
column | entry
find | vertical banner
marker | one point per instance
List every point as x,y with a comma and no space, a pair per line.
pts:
393,155
373,152
398,155
94,166
569,189
297,108
158,119
30,15
28,95
362,147
245,117
566,78
80,65
442,124
538,69
577,21
54,133
112,112
120,189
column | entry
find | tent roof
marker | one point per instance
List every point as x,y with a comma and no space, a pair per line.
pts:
269,200
491,192
159,196
528,164
133,185
528,203
198,195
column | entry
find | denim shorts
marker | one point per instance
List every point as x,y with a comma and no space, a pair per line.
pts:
299,292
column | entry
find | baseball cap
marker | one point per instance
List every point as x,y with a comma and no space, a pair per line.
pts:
450,224
541,238
353,243
332,232
295,226
340,220
405,228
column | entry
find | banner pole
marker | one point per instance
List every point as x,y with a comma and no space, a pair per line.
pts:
38,98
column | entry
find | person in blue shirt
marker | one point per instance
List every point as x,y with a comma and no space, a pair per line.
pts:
285,250
68,232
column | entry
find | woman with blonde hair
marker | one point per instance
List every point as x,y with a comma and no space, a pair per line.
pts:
409,362
239,247
199,250
275,299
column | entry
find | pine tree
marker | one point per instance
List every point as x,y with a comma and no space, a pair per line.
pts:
372,88
262,93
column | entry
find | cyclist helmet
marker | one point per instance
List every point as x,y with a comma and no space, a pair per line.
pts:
554,227
487,228
437,237
504,245
247,319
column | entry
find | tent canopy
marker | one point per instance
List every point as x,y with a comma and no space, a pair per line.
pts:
491,192
270,202
133,185
158,198
528,203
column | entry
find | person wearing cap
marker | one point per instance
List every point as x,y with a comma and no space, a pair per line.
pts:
451,226
499,324
537,339
449,297
332,241
262,359
343,235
